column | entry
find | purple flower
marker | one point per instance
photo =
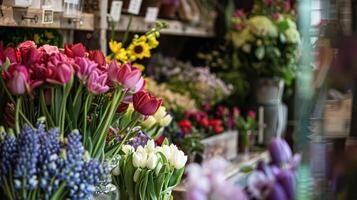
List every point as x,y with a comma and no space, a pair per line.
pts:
287,180
97,83
7,153
280,151
277,193
139,140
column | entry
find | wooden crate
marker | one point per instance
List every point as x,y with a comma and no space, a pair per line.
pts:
224,145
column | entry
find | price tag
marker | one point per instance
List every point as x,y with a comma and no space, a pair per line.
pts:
115,10
47,15
134,7
151,14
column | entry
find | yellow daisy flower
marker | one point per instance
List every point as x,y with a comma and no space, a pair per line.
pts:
152,41
138,50
118,51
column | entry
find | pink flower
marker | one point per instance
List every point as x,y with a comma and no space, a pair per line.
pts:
25,46
287,5
126,75
146,104
38,74
17,78
275,16
56,58
60,73
239,13
251,114
268,2
9,53
48,49
84,67
97,56
74,50
97,83
31,56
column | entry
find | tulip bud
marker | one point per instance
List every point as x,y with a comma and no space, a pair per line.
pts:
165,121
280,151
18,78
148,122
116,171
152,161
160,113
139,158
150,146
136,175
127,149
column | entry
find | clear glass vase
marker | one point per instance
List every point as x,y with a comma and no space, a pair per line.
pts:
106,190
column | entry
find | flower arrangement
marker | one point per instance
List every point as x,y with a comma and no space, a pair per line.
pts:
267,44
36,164
246,127
74,89
149,172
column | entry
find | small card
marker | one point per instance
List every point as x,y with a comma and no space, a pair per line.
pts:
151,14
134,7
47,15
72,1
24,3
115,10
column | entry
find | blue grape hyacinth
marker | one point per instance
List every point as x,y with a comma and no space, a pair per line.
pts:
38,162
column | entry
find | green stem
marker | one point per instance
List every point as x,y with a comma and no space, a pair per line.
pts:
44,109
56,196
126,34
86,109
17,119
79,90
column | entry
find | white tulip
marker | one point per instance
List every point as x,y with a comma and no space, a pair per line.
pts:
116,171
136,175
150,146
127,149
149,122
177,158
139,157
160,113
166,151
165,121
152,161
158,168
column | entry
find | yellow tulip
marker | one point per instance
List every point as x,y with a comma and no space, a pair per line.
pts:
149,122
165,121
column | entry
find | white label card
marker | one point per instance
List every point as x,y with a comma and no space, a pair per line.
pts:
151,14
134,6
23,2
47,15
115,10
72,1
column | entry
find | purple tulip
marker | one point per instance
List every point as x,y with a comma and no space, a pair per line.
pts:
97,83
280,151
277,193
84,67
286,178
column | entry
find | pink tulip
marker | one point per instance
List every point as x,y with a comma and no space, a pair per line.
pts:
126,75
60,74
97,56
84,67
25,46
31,56
55,59
146,104
17,78
239,13
48,49
287,5
9,53
74,50
97,83
38,74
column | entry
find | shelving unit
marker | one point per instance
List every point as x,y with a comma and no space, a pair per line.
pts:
32,18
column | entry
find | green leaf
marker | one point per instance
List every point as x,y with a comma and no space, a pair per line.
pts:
283,26
166,142
5,65
159,184
151,186
176,177
260,52
143,183
129,174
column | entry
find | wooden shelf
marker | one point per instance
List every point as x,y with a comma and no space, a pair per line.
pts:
32,18
176,27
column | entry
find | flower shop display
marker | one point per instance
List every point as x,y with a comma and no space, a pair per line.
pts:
149,172
37,164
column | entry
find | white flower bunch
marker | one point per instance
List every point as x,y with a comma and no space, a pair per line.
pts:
149,172
153,125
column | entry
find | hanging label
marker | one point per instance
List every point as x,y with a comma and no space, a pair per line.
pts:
23,3
72,1
115,10
134,7
47,15
151,14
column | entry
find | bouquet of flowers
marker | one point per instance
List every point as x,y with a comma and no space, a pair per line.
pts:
74,89
38,165
246,127
149,172
267,41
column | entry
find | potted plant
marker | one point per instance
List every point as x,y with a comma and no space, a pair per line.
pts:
246,128
266,46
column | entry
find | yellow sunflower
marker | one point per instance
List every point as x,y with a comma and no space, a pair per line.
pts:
139,49
139,66
152,41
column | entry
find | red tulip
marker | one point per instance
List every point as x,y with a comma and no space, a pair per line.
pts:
97,56
122,107
146,104
204,122
215,122
17,79
160,140
38,74
217,129
74,50
221,111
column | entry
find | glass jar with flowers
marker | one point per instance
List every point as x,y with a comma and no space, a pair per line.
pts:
246,128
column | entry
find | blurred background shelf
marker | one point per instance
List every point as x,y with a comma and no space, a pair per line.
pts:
32,18
176,27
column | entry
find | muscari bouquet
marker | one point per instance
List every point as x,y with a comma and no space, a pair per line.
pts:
37,164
